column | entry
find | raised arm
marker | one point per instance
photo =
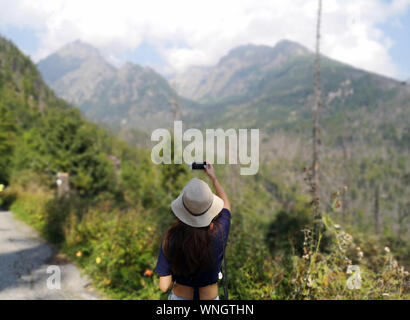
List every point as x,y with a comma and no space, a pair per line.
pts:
220,192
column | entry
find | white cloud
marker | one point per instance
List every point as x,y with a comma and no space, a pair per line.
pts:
208,29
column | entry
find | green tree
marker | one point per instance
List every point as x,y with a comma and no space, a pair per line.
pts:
7,140
64,142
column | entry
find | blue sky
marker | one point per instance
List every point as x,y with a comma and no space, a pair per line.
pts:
25,38
28,41
399,32
171,36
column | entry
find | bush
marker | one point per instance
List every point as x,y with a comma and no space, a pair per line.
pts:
30,205
7,197
118,249
285,234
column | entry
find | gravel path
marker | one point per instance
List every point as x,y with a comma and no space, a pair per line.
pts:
24,259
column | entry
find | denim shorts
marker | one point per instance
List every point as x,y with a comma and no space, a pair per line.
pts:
173,296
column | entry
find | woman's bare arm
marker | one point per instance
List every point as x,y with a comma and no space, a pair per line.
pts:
165,283
220,192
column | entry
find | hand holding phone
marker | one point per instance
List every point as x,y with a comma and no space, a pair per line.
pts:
198,166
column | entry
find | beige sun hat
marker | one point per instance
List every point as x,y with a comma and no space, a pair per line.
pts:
196,206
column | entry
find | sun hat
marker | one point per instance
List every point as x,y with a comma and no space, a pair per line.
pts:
196,206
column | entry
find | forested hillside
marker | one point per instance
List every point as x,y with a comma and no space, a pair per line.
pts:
118,208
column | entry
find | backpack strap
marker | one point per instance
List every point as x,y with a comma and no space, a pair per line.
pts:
196,293
224,270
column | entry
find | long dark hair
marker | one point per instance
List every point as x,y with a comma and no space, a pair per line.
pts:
188,249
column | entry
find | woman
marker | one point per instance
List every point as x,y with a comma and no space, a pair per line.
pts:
191,253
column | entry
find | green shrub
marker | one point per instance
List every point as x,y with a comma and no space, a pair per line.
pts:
30,205
285,233
116,248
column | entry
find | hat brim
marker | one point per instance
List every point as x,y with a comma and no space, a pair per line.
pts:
203,220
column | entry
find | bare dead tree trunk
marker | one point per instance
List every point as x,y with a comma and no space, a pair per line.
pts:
176,110
400,221
345,198
404,214
316,139
376,210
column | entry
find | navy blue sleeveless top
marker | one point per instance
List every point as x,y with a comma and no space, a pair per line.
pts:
207,277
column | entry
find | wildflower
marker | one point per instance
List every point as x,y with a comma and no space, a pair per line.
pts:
79,254
387,249
142,281
348,237
306,256
98,260
148,273
309,282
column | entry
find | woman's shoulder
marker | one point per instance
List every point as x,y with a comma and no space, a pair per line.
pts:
223,224
226,211
225,214
224,219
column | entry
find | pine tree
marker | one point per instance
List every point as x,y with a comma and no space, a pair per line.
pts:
7,140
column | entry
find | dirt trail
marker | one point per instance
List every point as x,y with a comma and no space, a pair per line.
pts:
24,259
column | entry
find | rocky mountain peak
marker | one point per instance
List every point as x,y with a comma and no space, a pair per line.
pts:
79,49
260,54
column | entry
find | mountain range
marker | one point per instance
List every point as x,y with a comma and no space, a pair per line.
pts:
240,72
130,96
272,87
251,86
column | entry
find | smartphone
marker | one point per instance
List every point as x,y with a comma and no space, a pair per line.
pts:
198,165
